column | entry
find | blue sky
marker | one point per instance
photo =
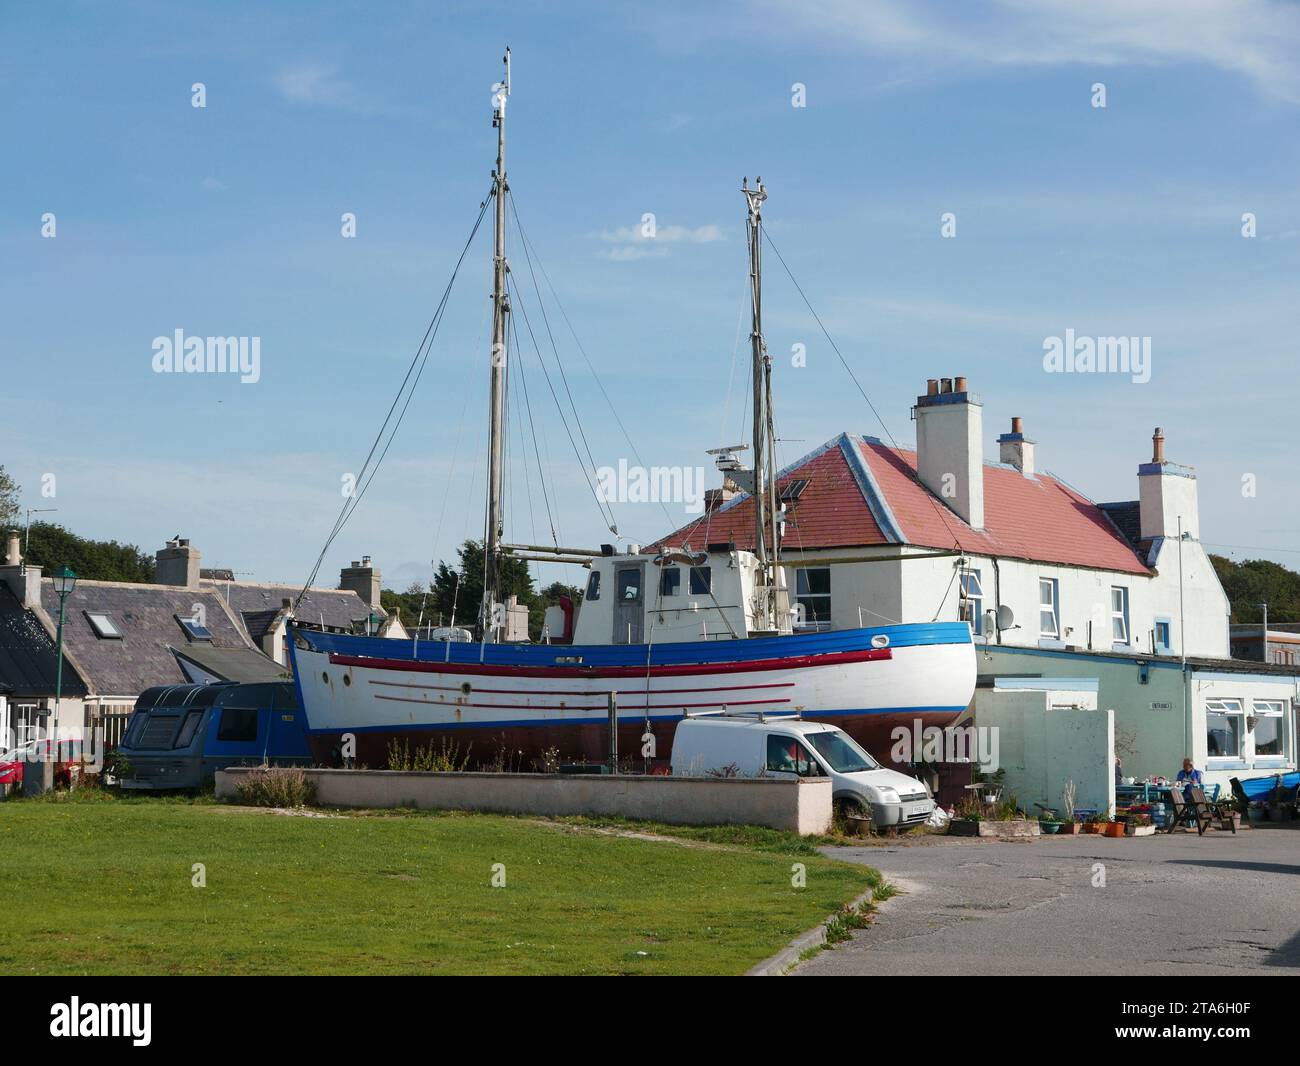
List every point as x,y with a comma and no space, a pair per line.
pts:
225,221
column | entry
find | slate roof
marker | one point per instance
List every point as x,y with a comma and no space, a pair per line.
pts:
28,654
233,664
146,616
1127,517
862,493
257,605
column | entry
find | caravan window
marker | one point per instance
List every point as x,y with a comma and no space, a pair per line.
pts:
238,723
188,729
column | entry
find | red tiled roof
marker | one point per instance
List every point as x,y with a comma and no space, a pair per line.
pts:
861,492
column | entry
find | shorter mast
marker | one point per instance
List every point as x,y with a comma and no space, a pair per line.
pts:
764,487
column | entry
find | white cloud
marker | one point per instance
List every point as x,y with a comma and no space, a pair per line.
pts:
319,84
1256,39
666,234
212,184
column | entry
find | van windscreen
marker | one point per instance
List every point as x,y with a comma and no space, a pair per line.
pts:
840,752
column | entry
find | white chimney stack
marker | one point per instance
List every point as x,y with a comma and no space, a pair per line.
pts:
1015,449
950,447
1167,496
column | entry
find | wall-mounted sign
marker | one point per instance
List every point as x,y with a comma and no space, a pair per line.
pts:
1161,706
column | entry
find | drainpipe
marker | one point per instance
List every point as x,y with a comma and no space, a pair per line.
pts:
997,596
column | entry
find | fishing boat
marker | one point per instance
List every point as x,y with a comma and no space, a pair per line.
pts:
660,633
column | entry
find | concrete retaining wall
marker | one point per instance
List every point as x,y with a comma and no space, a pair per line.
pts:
800,806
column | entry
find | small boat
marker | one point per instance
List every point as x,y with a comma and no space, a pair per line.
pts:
659,633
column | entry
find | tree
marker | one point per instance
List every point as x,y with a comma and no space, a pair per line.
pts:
9,493
51,546
1257,581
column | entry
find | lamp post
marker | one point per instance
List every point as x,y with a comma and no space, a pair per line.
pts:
1264,607
64,582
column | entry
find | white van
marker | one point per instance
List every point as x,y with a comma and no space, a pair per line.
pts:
758,745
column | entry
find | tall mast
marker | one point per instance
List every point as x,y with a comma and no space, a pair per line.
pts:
497,399
765,512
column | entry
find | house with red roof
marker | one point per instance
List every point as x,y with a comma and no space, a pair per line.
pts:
1053,584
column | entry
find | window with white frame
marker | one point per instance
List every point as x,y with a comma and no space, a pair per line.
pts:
1049,609
1118,614
1268,724
971,607
1224,728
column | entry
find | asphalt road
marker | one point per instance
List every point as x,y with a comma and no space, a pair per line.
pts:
1218,904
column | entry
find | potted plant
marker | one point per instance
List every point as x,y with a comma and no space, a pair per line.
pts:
1048,824
1139,824
1113,829
1097,823
1069,826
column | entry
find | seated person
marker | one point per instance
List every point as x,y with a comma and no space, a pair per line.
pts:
1189,776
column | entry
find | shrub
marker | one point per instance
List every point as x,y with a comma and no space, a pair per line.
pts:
276,786
446,759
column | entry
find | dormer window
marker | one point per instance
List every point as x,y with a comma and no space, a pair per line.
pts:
103,625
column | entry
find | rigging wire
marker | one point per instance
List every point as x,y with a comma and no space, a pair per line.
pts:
532,426
530,253
844,362
419,360
607,512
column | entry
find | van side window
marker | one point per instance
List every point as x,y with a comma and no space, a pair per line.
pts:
238,723
786,755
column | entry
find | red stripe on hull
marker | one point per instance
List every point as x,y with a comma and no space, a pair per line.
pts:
575,691
794,662
583,707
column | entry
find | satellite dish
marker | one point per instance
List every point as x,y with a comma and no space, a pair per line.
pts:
1006,617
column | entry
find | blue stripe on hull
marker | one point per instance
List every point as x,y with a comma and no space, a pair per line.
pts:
560,723
910,635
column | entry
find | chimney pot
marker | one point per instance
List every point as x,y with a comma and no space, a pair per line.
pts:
1017,425
1158,446
13,553
932,387
945,384
959,385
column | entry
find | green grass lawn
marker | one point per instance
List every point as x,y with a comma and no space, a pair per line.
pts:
104,887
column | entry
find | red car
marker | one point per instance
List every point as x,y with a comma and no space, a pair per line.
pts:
67,755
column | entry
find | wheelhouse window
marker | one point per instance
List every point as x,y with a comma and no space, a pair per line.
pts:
1223,728
813,597
629,584
1049,609
1119,614
971,607
670,581
103,625
701,580
1268,726
593,585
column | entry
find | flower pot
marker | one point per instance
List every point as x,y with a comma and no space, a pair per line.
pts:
1094,828
1114,829
1049,827
1070,829
1140,830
